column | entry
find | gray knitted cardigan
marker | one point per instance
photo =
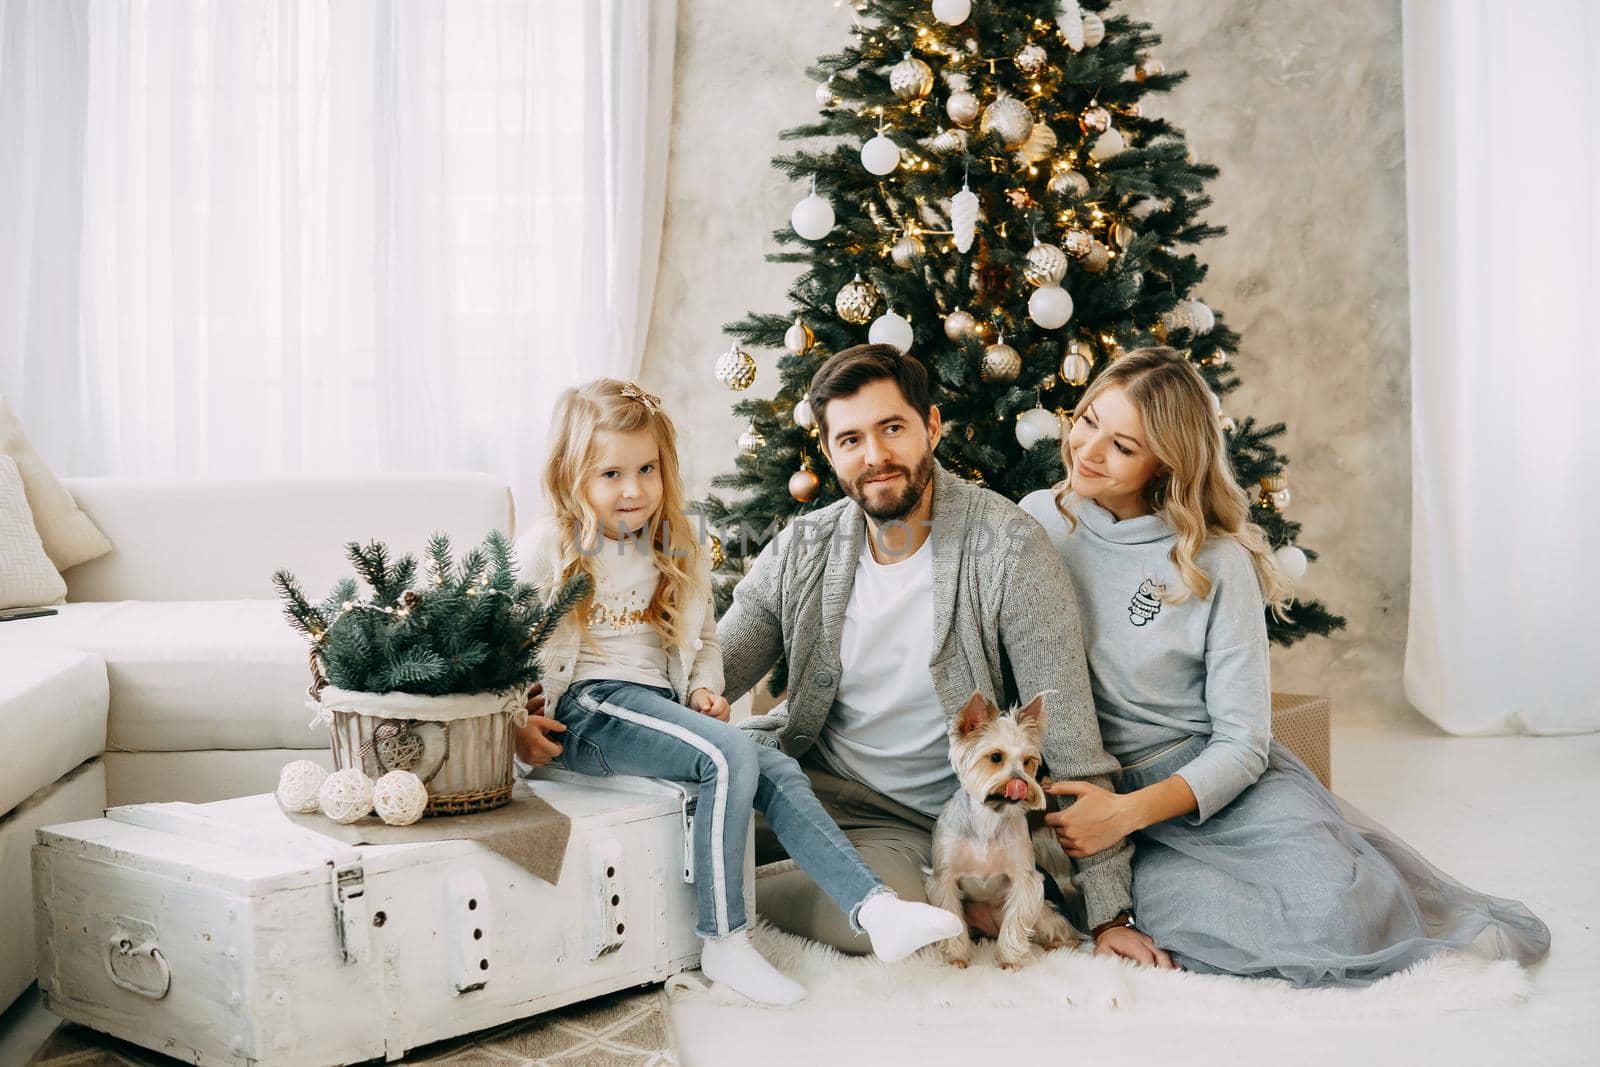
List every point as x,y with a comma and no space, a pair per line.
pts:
1006,624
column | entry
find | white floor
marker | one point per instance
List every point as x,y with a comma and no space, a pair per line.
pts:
1513,816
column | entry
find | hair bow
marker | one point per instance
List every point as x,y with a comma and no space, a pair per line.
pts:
634,392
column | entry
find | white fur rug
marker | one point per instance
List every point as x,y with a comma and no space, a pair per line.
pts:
1067,978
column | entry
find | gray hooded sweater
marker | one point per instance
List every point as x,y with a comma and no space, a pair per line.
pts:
1164,672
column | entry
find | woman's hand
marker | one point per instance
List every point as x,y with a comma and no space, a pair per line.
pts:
708,703
1131,944
535,747
1097,820
535,701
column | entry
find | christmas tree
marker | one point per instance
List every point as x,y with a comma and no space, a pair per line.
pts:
472,629
992,191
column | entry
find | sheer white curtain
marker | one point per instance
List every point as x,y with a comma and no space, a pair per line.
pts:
295,236
1503,163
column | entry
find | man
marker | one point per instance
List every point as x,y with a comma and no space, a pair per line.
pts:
891,608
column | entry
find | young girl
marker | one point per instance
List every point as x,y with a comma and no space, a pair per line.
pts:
634,674
1243,862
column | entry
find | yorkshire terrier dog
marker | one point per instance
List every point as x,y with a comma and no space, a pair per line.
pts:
982,848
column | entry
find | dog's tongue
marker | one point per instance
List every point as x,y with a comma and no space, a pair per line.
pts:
1016,789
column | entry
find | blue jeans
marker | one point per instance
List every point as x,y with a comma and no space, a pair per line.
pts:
628,728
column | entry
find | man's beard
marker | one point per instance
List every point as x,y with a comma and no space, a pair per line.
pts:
904,502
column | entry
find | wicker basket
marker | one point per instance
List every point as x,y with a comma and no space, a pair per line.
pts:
459,745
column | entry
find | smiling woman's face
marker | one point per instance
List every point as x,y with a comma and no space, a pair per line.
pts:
1111,458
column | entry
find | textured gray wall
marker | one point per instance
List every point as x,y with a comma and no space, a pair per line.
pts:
1297,101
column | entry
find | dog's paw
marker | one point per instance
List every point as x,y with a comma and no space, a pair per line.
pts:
958,961
1011,965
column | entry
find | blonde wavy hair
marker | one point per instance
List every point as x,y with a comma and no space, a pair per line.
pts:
1195,490
607,405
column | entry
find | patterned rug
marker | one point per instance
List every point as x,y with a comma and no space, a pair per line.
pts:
627,1029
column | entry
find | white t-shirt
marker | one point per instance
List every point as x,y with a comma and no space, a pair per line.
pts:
887,729
622,644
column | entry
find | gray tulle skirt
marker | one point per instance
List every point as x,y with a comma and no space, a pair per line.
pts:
1285,882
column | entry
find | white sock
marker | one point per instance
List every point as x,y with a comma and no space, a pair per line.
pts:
900,927
735,962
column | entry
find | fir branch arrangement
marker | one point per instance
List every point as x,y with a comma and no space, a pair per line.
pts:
474,628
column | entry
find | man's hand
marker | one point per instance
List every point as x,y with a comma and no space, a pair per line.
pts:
1097,820
1134,945
535,701
708,703
535,747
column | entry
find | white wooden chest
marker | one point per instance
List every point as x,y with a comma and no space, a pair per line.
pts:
221,933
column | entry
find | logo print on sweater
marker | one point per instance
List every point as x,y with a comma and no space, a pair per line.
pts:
1146,603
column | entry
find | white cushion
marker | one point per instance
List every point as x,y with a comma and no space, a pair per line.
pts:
190,675
69,537
52,715
222,540
27,577
199,777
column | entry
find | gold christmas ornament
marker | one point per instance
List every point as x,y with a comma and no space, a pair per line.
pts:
1095,119
1078,242
804,483
857,302
963,108
1069,183
1148,67
1001,363
1098,259
1040,143
719,555
1120,234
911,78
798,338
1077,365
959,325
1008,118
907,252
750,441
736,368
1217,358
1031,59
1046,265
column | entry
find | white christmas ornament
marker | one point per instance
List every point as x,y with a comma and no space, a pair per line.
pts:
803,416
826,97
798,338
880,155
1050,306
1202,318
812,218
345,795
298,783
1009,118
1107,145
962,107
890,329
1037,425
1291,561
1071,22
400,798
952,12
964,217
1094,30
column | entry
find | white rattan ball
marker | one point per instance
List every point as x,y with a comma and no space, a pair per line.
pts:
346,795
298,783
400,798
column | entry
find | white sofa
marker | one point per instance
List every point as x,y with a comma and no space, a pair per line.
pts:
170,673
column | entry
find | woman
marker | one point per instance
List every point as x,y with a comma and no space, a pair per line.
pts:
1244,863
